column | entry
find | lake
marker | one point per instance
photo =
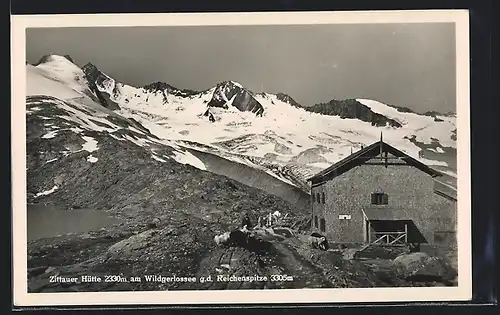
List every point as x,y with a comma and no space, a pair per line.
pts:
47,221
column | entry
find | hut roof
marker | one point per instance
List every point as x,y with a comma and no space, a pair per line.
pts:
371,151
385,213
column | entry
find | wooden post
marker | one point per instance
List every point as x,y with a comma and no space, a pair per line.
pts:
406,233
365,235
369,232
381,156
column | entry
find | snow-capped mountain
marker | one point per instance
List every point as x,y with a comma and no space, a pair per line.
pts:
61,101
80,150
270,132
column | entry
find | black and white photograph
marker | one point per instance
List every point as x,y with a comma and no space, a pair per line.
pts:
289,154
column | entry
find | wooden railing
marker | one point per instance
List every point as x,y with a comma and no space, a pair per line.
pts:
389,238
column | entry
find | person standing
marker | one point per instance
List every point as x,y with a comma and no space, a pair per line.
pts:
246,221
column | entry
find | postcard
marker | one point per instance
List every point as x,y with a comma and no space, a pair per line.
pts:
241,158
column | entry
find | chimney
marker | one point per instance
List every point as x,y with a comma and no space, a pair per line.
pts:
362,146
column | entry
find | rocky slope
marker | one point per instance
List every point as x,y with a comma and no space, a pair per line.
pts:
355,110
167,210
123,166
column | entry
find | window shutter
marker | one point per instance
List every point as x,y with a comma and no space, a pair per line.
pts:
374,199
323,197
385,199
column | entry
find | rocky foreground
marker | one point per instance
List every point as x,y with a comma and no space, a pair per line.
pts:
177,255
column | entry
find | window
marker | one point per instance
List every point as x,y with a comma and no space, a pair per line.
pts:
318,198
322,225
380,199
323,197
316,221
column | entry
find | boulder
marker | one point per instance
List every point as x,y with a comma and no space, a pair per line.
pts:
317,242
383,252
127,246
284,231
153,224
350,253
420,266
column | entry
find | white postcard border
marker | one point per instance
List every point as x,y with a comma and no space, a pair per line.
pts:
19,24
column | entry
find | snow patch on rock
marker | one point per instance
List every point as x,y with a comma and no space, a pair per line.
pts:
47,192
90,144
50,134
188,158
92,159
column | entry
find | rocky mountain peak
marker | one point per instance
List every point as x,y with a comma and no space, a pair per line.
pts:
96,78
231,93
287,99
94,75
69,58
351,108
90,68
166,88
52,58
228,86
158,86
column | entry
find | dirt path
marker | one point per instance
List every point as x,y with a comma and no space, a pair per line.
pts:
284,267
304,273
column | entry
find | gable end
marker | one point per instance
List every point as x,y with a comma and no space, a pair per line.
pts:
369,153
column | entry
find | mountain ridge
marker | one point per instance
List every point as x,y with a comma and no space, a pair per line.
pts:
157,86
238,117
285,97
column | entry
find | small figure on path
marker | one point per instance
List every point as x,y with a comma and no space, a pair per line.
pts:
246,221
